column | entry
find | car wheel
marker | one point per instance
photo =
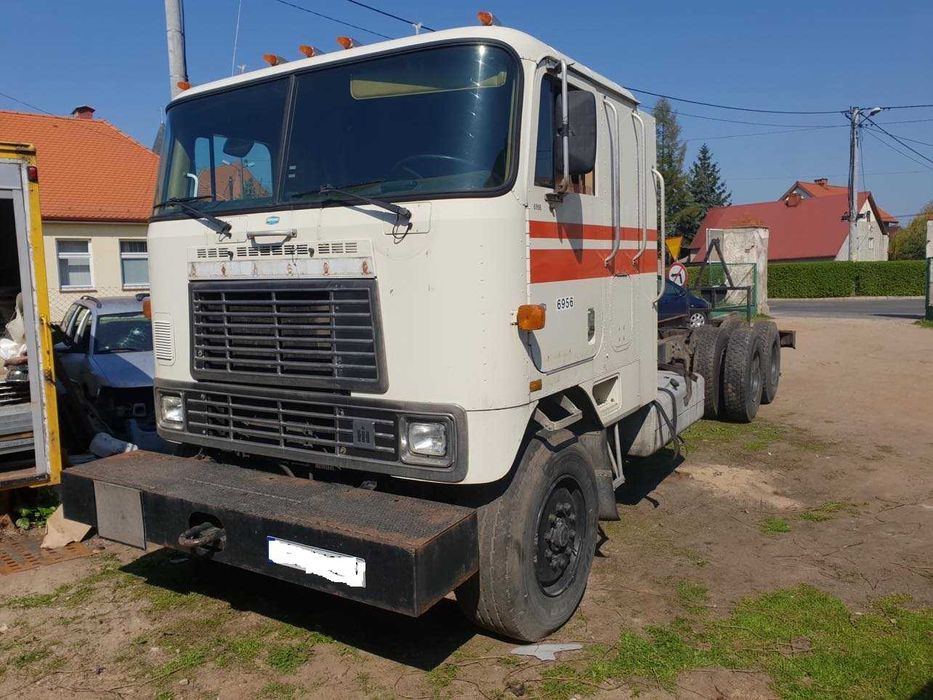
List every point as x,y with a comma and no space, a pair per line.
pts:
697,319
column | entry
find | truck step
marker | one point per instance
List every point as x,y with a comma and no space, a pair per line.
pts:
393,552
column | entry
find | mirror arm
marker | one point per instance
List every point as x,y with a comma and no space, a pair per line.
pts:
564,185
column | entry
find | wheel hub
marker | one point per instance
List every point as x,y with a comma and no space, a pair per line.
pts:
557,545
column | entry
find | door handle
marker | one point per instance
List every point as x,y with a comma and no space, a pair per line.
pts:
286,234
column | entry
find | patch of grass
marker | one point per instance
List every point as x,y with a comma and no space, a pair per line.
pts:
288,658
826,511
809,643
68,594
752,437
30,657
279,691
773,526
924,323
693,596
441,677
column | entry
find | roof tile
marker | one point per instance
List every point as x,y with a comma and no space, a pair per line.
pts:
89,169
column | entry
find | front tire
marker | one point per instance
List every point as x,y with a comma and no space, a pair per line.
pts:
536,545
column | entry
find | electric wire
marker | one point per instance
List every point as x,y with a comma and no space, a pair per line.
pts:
332,19
25,104
418,25
875,136
905,145
732,107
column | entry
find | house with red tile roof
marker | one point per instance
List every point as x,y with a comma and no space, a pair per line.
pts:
807,223
96,189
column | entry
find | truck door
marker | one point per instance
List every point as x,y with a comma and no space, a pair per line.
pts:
29,452
568,244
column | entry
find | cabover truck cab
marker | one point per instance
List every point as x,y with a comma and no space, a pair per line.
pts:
403,309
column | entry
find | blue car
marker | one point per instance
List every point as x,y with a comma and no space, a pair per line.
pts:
678,306
107,351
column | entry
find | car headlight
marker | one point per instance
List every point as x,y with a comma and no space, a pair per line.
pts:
172,411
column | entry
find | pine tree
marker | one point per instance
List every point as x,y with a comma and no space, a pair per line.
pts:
706,188
671,154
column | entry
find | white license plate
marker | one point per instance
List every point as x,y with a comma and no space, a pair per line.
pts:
336,567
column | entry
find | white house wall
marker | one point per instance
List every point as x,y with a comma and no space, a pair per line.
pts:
872,243
106,276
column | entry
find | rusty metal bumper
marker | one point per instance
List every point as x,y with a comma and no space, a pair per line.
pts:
412,551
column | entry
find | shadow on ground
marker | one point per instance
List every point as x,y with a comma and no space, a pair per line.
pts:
422,643
643,475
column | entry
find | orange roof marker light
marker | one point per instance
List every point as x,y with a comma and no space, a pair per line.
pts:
310,51
183,85
274,59
348,42
487,19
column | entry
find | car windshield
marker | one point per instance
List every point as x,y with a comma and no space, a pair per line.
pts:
439,120
127,332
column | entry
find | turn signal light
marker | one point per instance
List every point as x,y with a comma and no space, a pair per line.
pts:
530,317
147,308
535,385
310,51
348,42
273,59
183,85
487,19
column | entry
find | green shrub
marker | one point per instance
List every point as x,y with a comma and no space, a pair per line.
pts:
806,280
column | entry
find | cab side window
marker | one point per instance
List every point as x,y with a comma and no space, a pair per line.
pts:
546,169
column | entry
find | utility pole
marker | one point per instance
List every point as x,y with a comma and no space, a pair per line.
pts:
175,31
853,181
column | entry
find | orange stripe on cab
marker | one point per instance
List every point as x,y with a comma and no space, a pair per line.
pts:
566,265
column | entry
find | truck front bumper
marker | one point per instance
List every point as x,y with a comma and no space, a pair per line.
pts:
393,552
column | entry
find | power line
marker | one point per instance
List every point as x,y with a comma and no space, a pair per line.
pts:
905,145
25,104
766,133
737,109
908,107
737,121
416,25
332,19
875,136
796,177
909,121
922,143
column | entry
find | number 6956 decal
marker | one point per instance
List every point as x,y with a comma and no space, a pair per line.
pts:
564,303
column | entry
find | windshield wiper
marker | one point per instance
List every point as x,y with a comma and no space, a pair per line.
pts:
402,214
219,226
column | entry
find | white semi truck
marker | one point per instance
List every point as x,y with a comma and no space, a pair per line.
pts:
403,301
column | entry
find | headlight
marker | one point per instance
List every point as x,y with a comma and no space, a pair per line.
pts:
172,410
425,441
428,439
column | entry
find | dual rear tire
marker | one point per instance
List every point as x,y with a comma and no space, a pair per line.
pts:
741,367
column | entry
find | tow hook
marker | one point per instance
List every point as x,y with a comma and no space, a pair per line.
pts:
205,535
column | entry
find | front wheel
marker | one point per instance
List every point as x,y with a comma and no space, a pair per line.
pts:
536,545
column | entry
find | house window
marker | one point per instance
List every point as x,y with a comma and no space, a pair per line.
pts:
74,264
134,264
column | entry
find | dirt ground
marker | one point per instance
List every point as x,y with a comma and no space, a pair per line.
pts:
831,487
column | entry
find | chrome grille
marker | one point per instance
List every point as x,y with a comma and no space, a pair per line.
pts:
292,428
298,333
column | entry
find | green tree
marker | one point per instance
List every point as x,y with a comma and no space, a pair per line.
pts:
910,242
671,153
707,188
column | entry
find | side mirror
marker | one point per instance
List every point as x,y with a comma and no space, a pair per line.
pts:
582,116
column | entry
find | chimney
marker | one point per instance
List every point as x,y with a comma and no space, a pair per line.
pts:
821,181
83,112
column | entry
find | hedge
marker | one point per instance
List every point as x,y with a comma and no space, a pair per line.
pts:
803,280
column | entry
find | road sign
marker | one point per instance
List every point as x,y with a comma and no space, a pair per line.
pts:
673,246
677,274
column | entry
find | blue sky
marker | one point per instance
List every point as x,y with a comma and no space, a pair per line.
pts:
821,55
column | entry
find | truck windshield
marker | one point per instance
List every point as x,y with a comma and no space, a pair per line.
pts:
409,125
